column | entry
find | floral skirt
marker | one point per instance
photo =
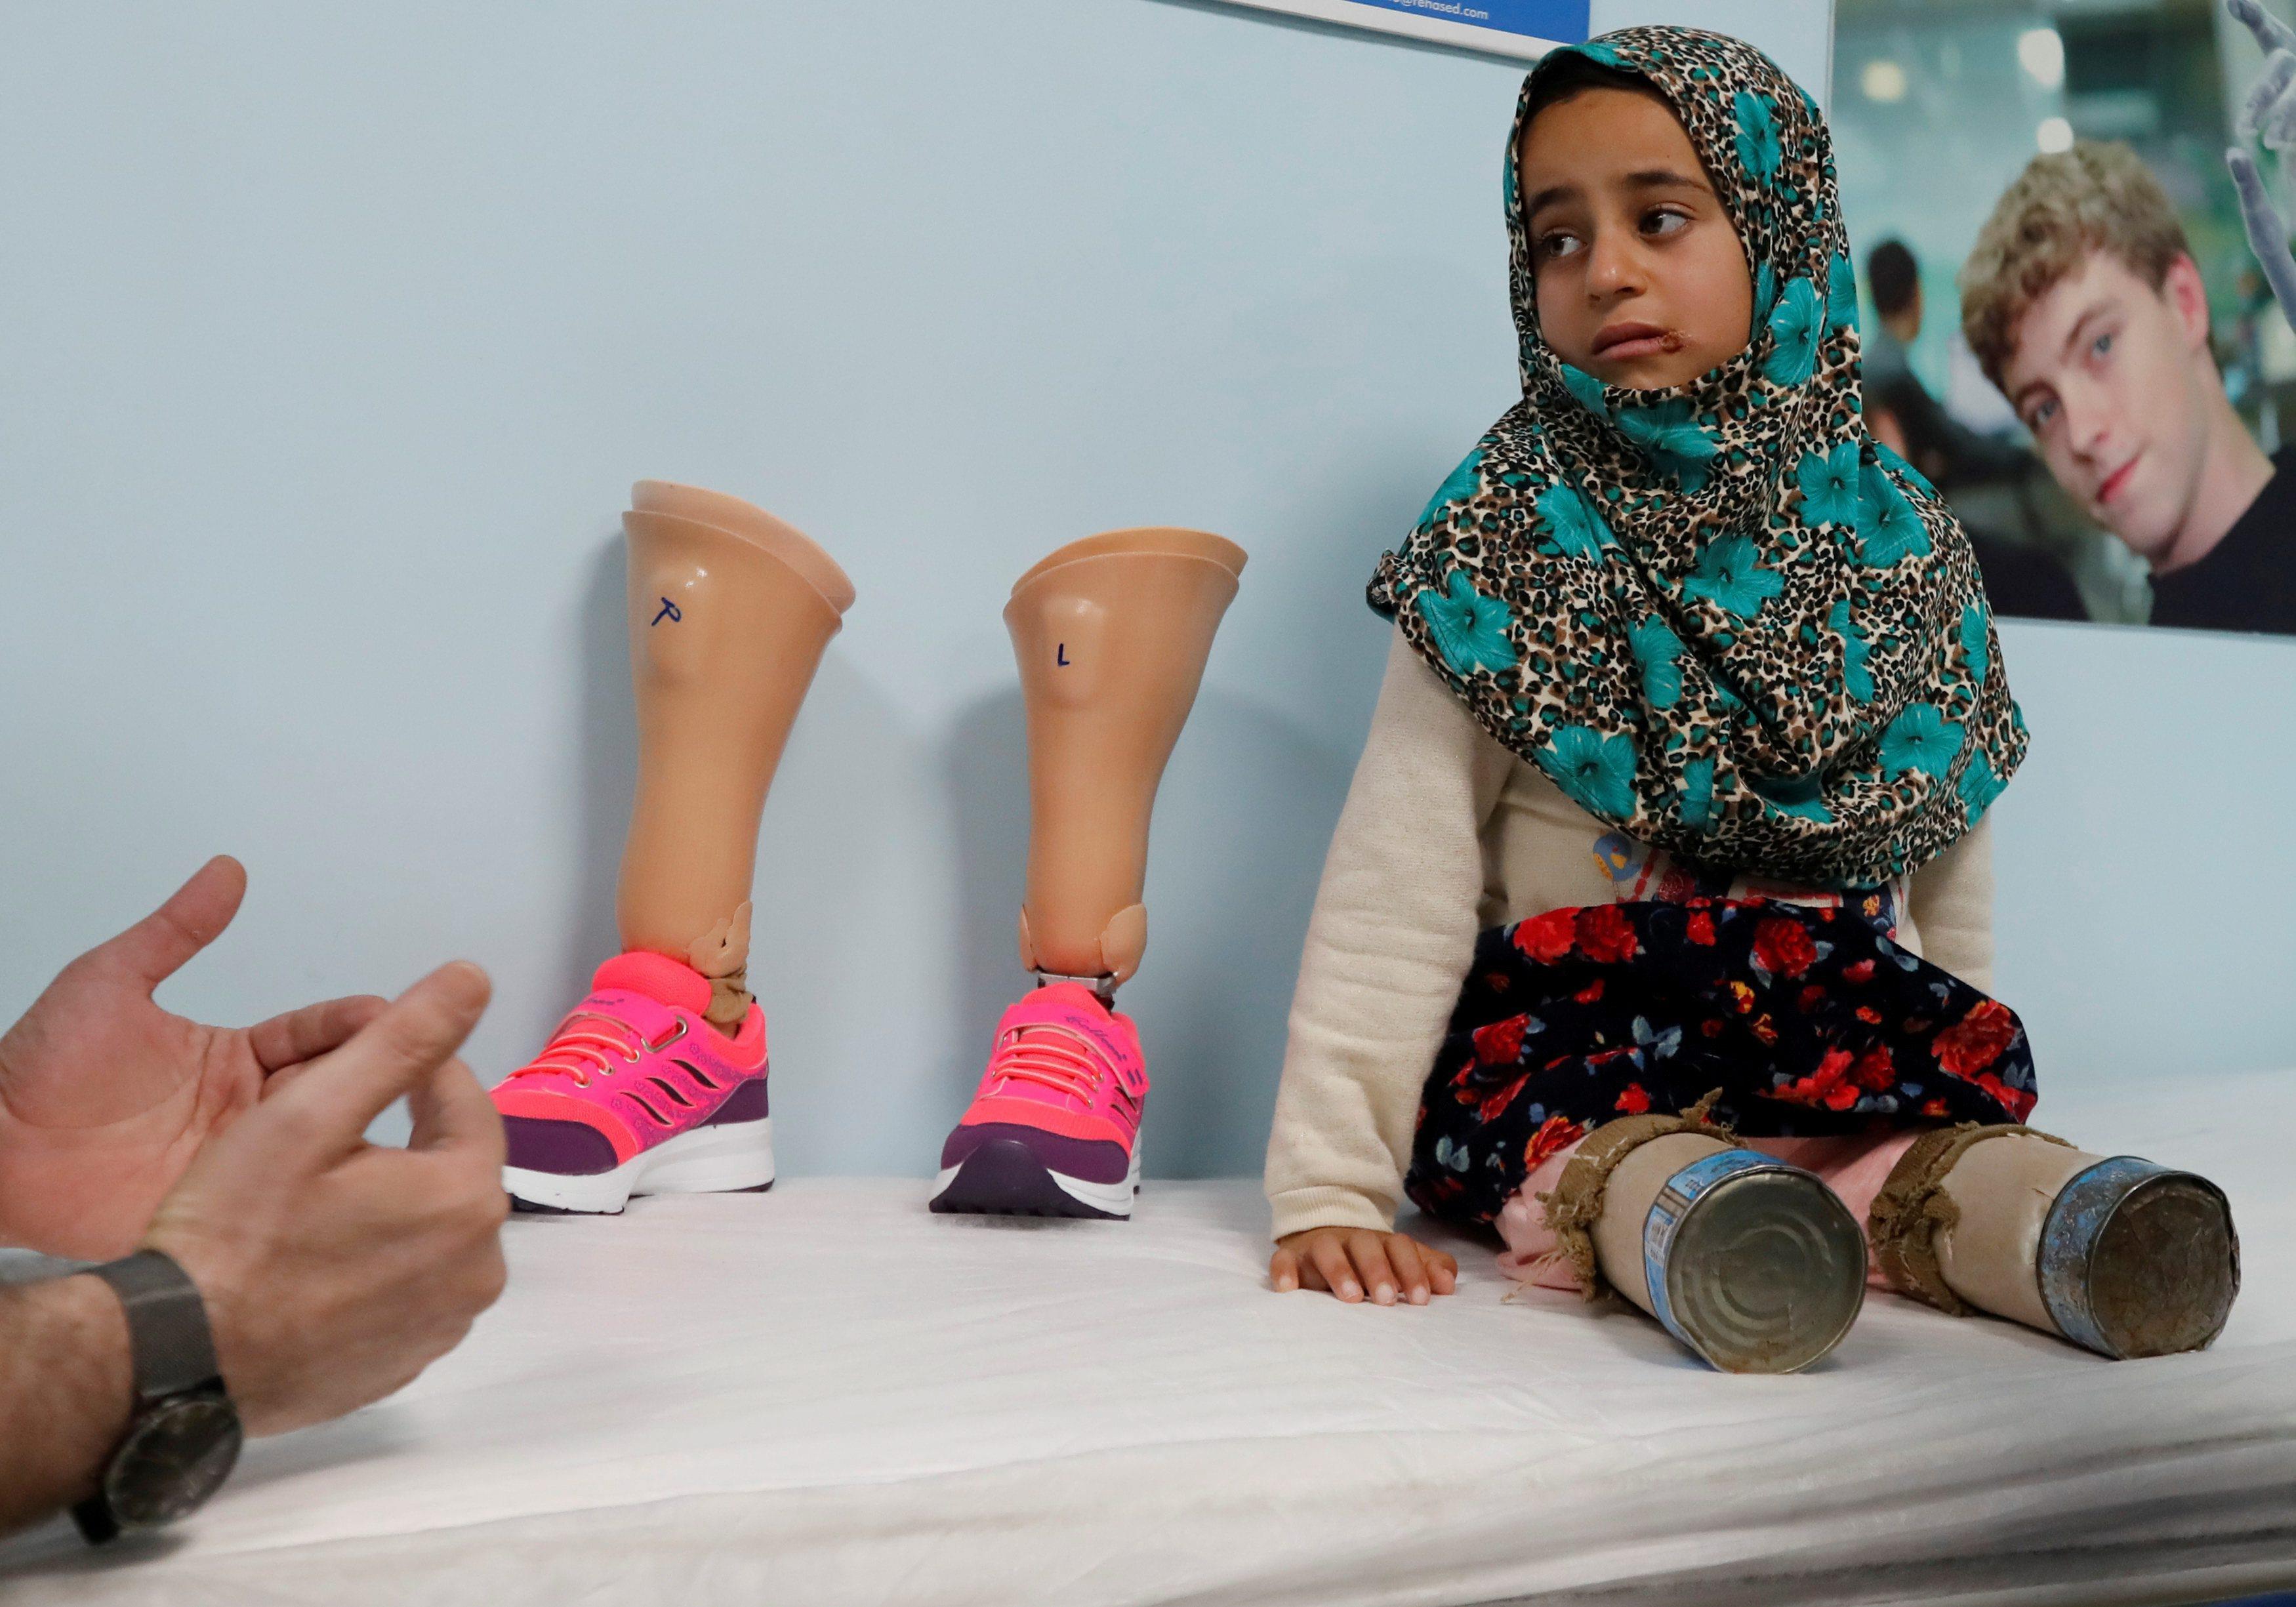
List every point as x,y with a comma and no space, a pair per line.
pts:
1808,1022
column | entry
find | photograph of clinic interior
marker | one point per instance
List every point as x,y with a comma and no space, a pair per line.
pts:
987,932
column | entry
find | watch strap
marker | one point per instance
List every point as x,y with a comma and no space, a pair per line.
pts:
168,1333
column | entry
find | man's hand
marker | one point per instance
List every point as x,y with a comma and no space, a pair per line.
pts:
1349,1260
105,1097
2269,116
334,1271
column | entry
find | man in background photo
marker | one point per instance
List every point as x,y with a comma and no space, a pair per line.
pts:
2082,302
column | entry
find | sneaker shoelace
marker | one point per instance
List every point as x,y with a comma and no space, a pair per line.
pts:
1053,1057
587,1041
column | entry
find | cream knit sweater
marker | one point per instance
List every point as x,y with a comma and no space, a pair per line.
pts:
1445,834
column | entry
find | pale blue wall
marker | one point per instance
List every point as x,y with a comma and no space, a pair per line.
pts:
331,338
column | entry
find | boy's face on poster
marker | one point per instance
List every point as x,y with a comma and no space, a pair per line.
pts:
1640,279
2112,376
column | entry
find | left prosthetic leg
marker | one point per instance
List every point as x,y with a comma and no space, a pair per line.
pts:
2120,1255
1111,634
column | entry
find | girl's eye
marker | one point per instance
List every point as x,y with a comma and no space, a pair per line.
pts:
2103,344
2042,412
1556,243
1662,223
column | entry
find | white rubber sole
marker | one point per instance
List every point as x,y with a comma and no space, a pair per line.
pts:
725,1159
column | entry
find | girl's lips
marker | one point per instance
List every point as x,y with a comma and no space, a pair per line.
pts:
2115,482
1623,342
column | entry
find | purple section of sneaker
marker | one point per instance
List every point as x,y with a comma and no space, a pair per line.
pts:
745,1103
567,1149
1086,1160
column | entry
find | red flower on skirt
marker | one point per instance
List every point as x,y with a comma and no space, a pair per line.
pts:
1589,993
1606,934
1634,1101
2017,1101
1495,1105
1861,971
1546,938
1701,929
1784,948
1977,1040
1500,1044
1554,1134
1828,1086
1875,1072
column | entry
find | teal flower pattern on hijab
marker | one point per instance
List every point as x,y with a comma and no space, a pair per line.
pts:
1675,443
1469,628
1587,389
1795,324
1656,649
1840,294
1571,523
1920,738
1657,597
1595,772
1829,485
1759,151
1730,576
1889,526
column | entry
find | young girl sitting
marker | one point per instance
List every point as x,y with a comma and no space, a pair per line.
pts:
1693,711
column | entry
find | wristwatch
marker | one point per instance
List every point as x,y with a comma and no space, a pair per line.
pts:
184,1434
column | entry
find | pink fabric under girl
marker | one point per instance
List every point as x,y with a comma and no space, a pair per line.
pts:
1854,1167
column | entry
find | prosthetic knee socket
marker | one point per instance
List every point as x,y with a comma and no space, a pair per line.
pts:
2116,1254
1753,1263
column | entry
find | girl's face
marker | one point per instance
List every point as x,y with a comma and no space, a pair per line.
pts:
1640,279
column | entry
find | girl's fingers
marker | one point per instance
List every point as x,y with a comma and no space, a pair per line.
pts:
1403,1255
1330,1259
1442,1269
1368,1251
1283,1271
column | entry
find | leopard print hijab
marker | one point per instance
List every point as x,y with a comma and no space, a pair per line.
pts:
1720,616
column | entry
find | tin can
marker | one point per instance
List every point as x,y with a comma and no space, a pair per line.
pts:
2137,1259
1753,1263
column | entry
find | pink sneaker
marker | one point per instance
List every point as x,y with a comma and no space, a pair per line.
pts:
636,1093
1055,1129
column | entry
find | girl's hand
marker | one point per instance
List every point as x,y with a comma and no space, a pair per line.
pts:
1349,1260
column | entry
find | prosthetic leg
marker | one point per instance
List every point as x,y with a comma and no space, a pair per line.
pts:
656,1083
1111,634
2117,1254
1750,1262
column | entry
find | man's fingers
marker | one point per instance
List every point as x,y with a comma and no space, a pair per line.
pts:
2268,235
315,1029
393,1055
452,1112
2271,33
195,914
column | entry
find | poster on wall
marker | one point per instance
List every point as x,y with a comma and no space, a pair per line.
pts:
1527,29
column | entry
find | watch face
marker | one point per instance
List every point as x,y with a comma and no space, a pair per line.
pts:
176,1456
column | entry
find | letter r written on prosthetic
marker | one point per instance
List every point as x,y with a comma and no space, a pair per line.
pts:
1111,634
730,612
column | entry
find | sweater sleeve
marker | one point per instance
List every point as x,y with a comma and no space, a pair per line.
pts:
1952,899
1391,939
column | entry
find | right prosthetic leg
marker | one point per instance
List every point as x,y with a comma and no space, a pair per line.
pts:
2117,1254
1111,634
656,1084
1753,1263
